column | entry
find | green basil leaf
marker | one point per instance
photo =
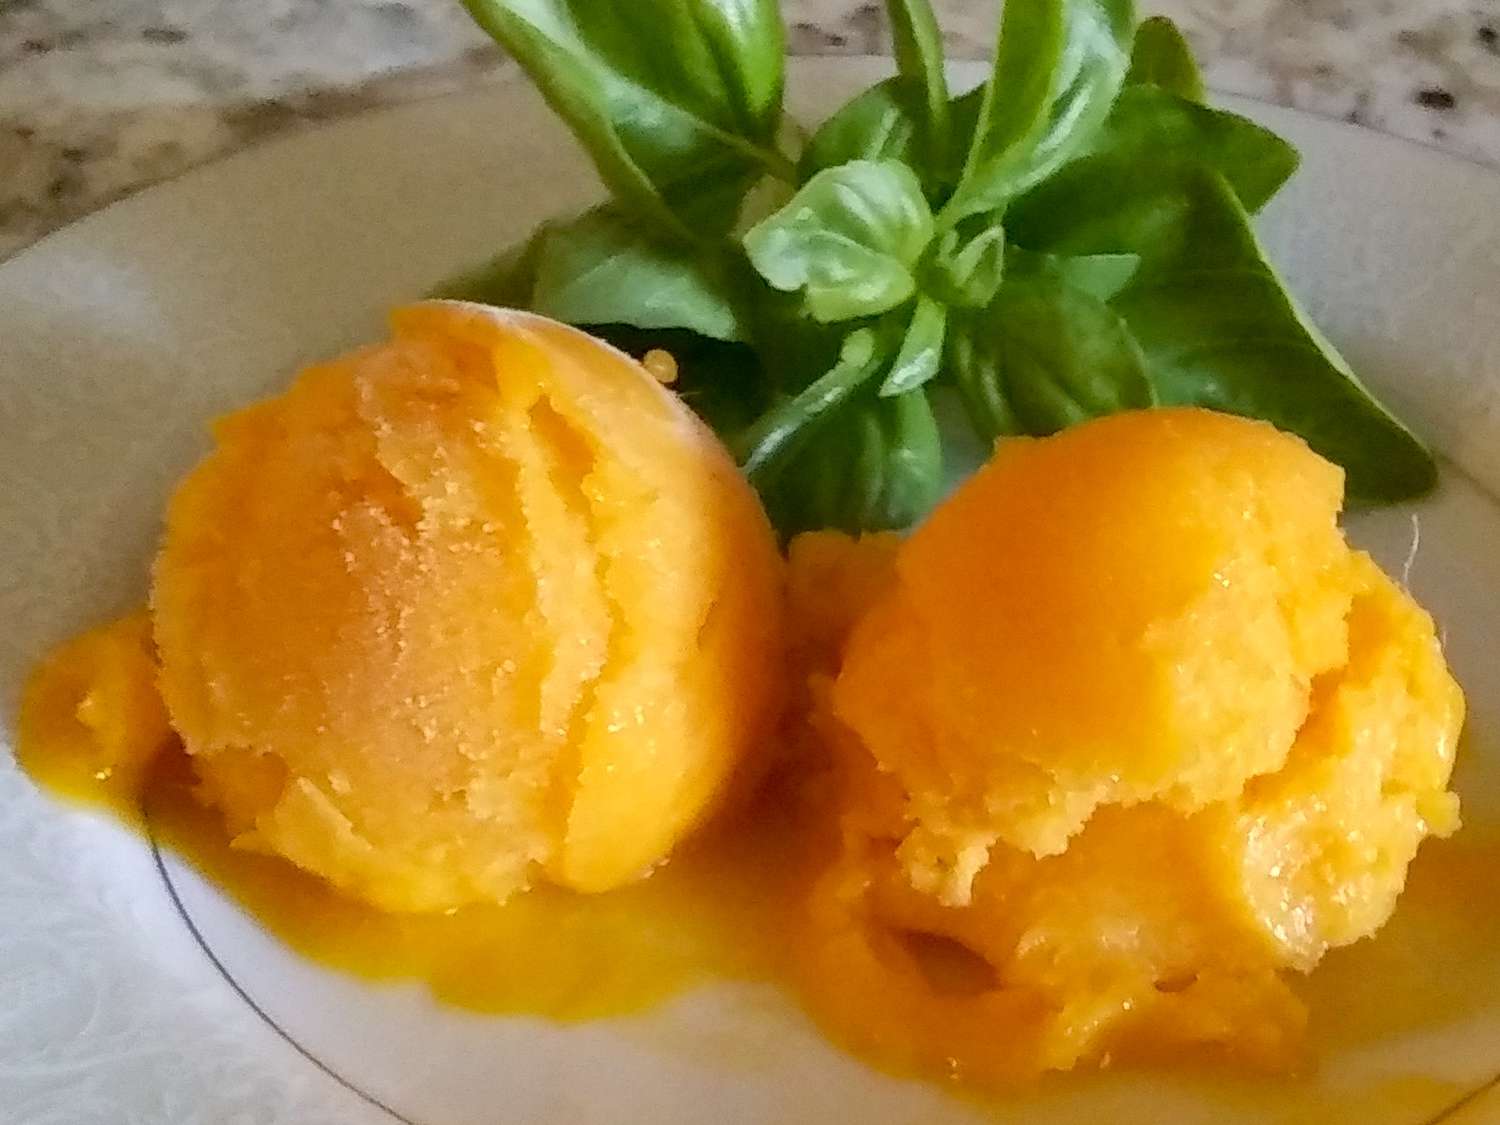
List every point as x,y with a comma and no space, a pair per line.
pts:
1100,206
877,124
912,469
1064,356
1126,193
921,351
853,488
974,359
1220,330
1058,67
662,123
918,44
1099,275
793,348
968,273
1162,57
816,489
876,465
1159,128
964,111
848,240
764,448
604,269
1012,106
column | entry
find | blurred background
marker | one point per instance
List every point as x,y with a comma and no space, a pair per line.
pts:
99,97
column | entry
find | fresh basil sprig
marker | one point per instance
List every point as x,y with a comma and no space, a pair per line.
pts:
1070,239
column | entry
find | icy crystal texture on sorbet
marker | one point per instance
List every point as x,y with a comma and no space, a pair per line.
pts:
478,605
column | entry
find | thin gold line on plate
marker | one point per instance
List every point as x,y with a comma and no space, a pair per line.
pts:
250,1001
1447,1112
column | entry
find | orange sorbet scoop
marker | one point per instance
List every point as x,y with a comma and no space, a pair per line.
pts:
1127,732
478,605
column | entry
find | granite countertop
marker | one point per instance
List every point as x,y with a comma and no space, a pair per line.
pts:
100,97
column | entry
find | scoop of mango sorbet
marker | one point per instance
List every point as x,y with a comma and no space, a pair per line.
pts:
477,605
1124,731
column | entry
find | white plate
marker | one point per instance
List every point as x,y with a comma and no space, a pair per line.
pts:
122,335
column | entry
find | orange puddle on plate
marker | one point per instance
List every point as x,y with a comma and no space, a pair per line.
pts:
713,912
708,914
722,908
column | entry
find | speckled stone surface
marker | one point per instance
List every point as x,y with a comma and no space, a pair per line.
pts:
100,97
